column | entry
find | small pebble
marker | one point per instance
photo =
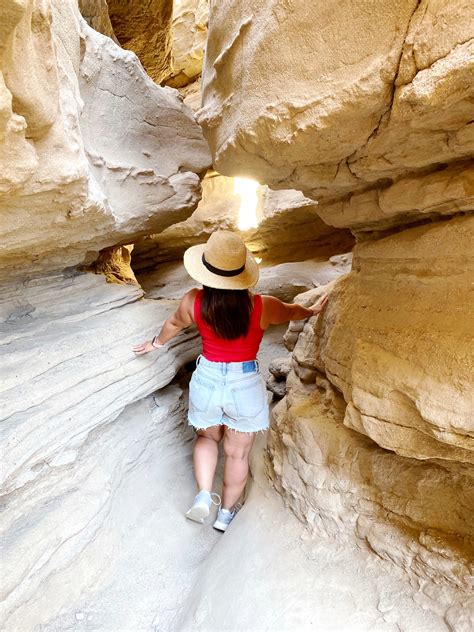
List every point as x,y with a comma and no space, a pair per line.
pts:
79,616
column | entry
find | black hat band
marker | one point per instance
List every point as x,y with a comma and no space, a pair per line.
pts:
219,272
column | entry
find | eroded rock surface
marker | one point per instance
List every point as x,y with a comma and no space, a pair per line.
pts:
367,109
401,347
374,439
402,379
372,94
87,184
189,32
345,488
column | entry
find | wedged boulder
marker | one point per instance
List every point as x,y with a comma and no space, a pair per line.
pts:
87,184
372,93
288,227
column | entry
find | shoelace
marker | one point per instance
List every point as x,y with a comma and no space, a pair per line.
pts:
214,502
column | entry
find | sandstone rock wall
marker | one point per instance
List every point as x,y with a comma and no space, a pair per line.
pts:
366,108
77,429
344,487
369,110
374,439
93,154
168,37
89,153
400,342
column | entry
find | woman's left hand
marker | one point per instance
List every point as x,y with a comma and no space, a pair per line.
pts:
318,307
144,347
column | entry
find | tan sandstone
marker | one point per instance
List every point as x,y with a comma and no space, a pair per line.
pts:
397,341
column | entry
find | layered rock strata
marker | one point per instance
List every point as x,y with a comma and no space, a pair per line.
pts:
76,426
93,154
344,487
446,191
88,184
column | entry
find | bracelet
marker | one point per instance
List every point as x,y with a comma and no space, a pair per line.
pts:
157,346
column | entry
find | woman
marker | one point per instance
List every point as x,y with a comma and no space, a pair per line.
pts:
227,395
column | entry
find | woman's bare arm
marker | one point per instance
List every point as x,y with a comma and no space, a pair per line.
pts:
275,312
182,318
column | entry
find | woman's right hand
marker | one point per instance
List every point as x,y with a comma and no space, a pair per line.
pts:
318,307
144,347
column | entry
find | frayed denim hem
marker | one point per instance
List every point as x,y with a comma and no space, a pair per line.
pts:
262,430
197,428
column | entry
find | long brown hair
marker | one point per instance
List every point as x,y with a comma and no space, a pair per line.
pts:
227,311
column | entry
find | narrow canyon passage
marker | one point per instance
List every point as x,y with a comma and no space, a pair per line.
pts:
335,143
140,565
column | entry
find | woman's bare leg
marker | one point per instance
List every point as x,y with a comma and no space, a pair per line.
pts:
206,451
237,446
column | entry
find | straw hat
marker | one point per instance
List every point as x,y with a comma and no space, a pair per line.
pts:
223,262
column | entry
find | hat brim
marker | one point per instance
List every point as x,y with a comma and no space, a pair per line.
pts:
194,266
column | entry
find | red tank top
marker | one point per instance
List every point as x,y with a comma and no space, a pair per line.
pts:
241,349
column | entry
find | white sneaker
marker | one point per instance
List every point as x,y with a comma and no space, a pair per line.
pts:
225,517
202,506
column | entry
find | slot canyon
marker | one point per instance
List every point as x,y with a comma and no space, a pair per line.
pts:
337,139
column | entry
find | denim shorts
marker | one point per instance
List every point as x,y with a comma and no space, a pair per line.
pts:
232,394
